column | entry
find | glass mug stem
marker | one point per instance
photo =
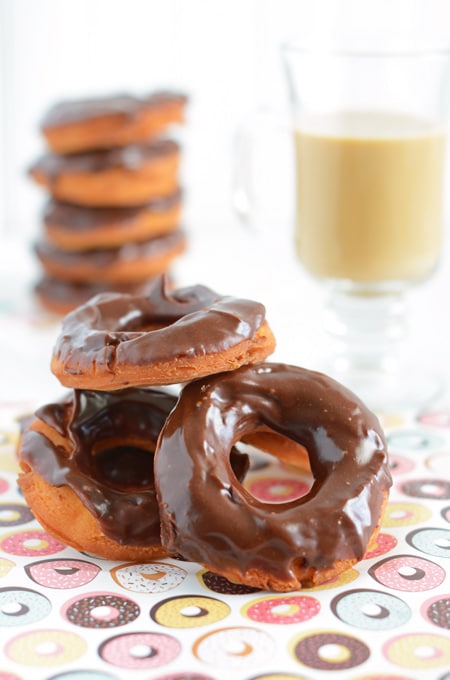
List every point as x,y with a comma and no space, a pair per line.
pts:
366,327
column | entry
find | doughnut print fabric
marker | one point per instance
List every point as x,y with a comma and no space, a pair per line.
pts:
65,615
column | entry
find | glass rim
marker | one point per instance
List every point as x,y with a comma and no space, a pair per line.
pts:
296,46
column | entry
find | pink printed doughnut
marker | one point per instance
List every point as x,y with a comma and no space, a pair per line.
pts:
281,610
278,489
100,610
438,418
62,573
140,651
399,465
383,544
433,489
30,543
407,573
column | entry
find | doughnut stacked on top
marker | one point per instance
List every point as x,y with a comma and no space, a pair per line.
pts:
112,222
126,469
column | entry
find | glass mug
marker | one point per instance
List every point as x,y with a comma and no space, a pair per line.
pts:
369,132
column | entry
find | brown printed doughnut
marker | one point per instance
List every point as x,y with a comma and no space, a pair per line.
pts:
103,122
163,338
212,519
132,175
129,263
72,227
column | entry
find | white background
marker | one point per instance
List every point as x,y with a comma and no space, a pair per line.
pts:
225,55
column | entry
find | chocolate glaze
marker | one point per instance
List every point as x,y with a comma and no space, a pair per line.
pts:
75,293
213,520
154,248
73,218
128,106
131,157
111,439
112,329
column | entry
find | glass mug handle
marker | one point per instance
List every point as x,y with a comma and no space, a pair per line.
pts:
263,171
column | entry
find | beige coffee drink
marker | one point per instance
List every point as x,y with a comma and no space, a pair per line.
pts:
369,197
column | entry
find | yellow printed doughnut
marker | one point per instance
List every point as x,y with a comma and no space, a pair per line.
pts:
405,514
45,648
418,650
189,611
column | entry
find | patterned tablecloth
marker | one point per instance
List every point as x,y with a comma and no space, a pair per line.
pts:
72,616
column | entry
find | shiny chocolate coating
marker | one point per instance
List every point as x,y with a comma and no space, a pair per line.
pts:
117,330
129,158
74,218
111,439
123,426
128,106
214,520
100,258
59,294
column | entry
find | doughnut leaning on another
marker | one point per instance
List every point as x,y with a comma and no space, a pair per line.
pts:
163,338
212,519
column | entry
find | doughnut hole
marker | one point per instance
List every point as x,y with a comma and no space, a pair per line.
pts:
285,464
126,465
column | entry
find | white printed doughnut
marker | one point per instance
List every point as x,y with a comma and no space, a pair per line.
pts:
154,577
235,648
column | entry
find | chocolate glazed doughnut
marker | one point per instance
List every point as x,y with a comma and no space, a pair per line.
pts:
121,176
102,122
163,338
213,520
87,471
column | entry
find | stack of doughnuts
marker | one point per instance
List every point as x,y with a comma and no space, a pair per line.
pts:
112,221
141,458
